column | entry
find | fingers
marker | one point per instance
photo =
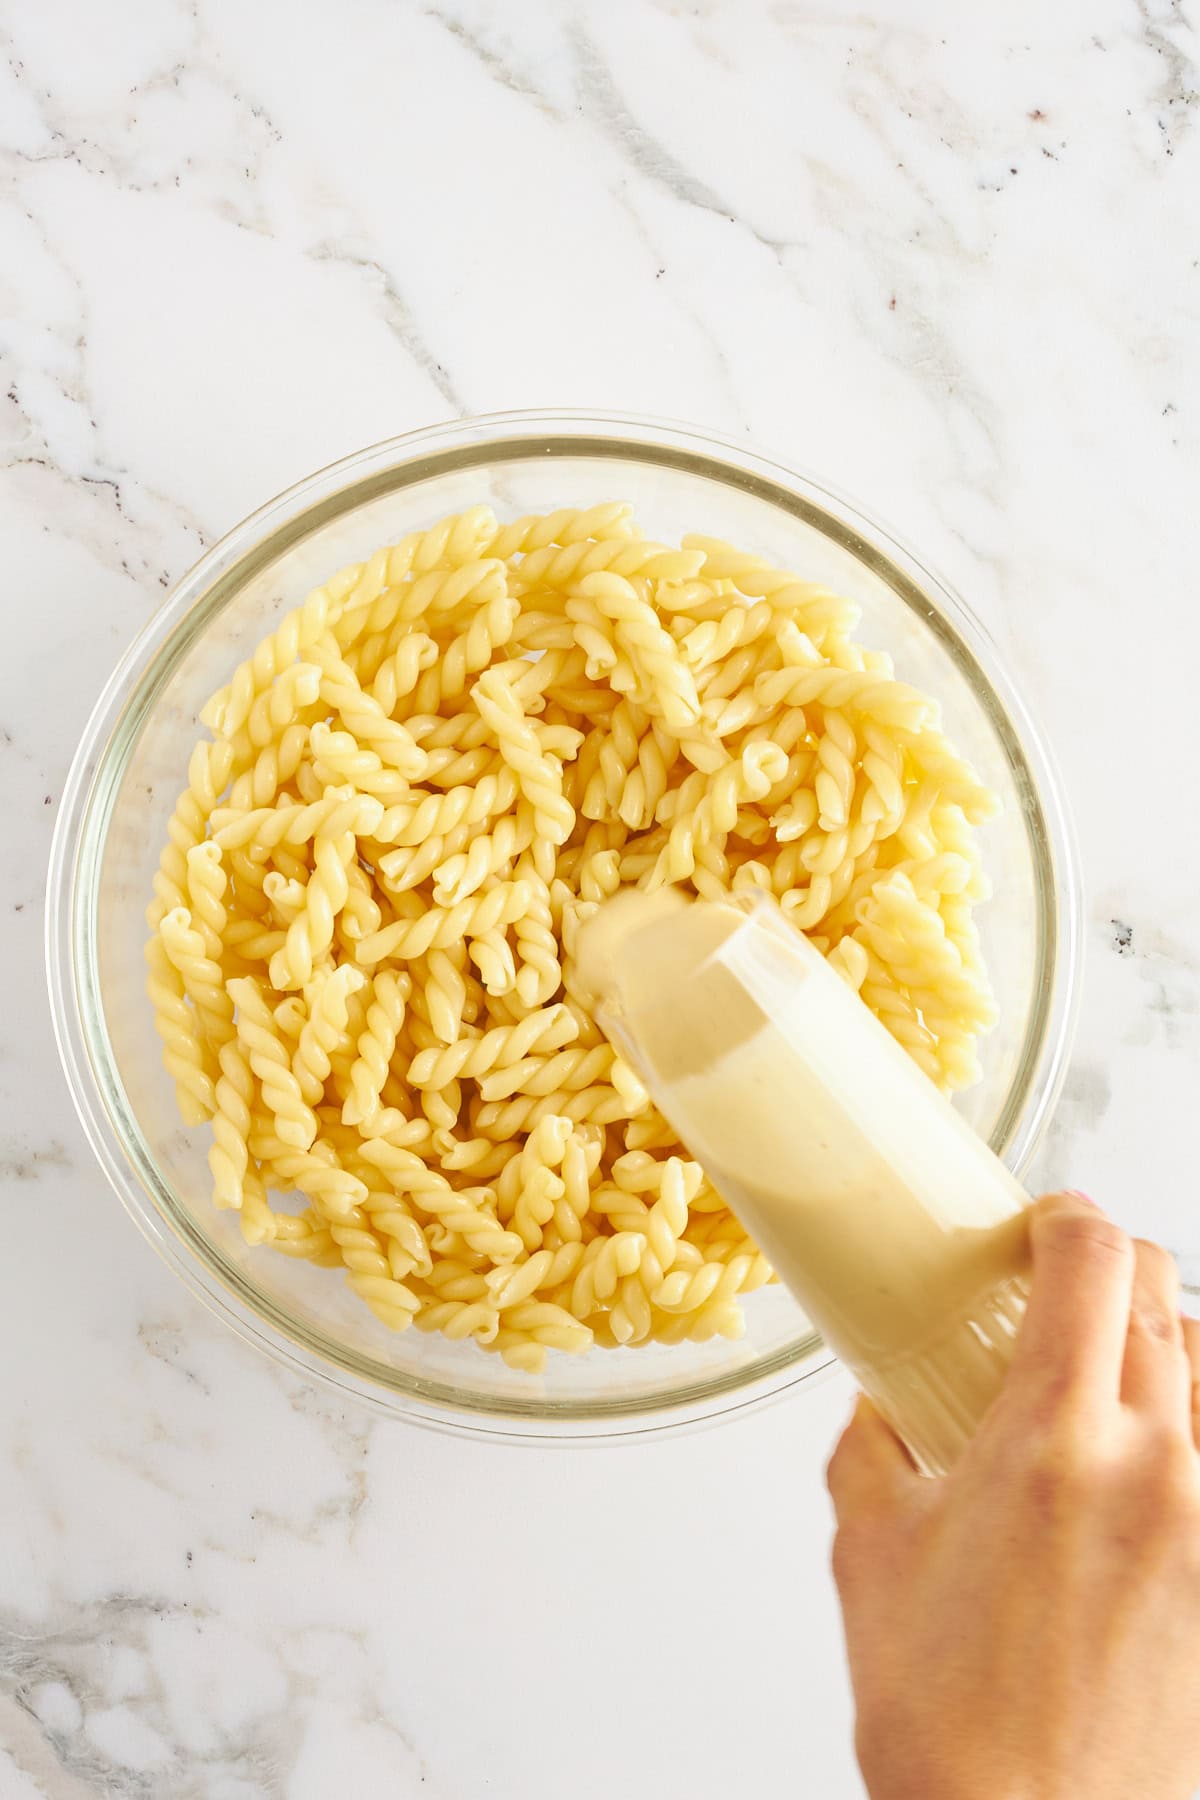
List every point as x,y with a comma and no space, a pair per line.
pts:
1191,1343
1077,1321
1157,1375
870,1471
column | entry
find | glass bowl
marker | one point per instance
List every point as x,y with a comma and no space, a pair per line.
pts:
130,767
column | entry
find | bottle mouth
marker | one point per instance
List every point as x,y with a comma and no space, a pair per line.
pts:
757,909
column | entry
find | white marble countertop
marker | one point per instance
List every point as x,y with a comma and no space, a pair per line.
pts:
954,267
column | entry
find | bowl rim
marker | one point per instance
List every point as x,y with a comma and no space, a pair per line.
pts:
185,611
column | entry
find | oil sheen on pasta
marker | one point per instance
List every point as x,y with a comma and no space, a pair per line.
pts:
414,792
900,1233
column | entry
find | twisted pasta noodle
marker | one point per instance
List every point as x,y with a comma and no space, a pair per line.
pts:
339,758
324,1029
667,683
183,1054
852,960
203,979
883,768
362,913
295,1122
286,895
369,1270
406,1247
341,810
289,698
415,823
511,1286
363,716
486,856
369,1071
206,885
909,934
553,567
676,1181
581,1159
503,1046
290,1016
874,696
400,670
432,1193
537,1325
445,677
275,765
442,926
310,933
597,1105
538,1185
433,595
539,974
662,1226
629,778
709,641
251,940
458,1319
708,822
229,1156
823,614
562,1072
570,525
445,993
210,768
417,570
894,1008
606,1261
492,954
259,1225
837,748
407,869
334,1191
500,707
364,917
796,817
956,783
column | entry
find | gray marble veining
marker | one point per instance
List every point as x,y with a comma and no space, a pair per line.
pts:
953,269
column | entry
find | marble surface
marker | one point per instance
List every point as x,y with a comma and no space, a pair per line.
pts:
953,267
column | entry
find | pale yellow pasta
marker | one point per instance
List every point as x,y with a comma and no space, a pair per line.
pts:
419,785
324,1030
185,1054
229,1156
267,1053
665,683
500,708
203,979
376,1045
310,933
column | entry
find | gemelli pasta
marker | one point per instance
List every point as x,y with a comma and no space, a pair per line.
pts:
416,789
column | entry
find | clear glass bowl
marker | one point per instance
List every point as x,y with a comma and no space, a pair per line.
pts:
131,764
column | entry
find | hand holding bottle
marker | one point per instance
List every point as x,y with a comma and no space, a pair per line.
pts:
1028,1627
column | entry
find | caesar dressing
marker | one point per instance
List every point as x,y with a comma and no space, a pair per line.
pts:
901,1235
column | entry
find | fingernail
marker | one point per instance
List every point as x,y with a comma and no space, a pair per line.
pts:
1057,1195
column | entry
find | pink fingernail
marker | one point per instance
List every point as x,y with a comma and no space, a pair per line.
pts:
1078,1194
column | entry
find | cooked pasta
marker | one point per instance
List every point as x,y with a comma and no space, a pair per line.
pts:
417,788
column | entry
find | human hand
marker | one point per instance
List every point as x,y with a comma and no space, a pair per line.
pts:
1028,1627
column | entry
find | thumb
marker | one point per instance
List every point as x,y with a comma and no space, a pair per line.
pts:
870,1471
1077,1320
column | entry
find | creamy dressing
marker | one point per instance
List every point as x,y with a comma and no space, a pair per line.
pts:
901,1235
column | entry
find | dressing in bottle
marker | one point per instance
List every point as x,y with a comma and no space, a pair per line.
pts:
901,1235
